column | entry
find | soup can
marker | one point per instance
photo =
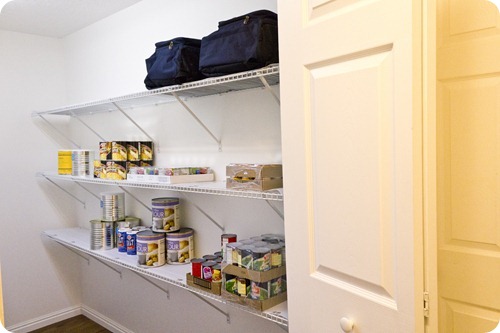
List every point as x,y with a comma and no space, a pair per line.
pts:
207,270
128,222
121,239
165,214
277,286
261,259
102,235
150,248
180,246
259,290
196,267
217,273
132,242
232,253
245,256
224,240
230,283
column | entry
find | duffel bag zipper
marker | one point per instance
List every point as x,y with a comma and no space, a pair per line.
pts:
247,18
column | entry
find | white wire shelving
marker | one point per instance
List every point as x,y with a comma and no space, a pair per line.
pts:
213,188
78,239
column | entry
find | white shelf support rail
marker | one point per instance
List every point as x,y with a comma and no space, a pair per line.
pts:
226,314
166,291
109,266
276,210
270,90
136,199
186,107
86,189
156,144
64,190
59,131
222,228
76,252
87,126
284,328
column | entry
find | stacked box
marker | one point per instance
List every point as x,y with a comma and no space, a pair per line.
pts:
260,290
259,177
117,157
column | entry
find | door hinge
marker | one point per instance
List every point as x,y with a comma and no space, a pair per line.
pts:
426,304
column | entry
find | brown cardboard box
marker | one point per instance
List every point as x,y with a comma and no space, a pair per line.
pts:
254,275
208,286
260,305
259,177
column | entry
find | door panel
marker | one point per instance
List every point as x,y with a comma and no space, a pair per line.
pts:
468,134
347,125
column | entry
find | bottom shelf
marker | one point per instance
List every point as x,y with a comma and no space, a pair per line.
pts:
79,239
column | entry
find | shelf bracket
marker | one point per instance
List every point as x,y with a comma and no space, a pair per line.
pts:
75,252
156,144
136,199
276,210
222,228
284,328
60,132
166,291
65,191
226,314
186,107
270,90
86,189
86,125
109,266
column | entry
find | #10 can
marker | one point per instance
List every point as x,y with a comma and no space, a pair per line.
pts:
165,213
180,246
150,248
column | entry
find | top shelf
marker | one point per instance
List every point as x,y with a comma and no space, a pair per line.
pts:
210,86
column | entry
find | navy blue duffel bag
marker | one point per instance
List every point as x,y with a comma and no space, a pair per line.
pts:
243,43
175,61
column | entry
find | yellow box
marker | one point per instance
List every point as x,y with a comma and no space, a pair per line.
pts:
64,162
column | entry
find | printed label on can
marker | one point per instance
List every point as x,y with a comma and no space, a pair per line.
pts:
165,213
131,242
150,249
259,290
121,240
180,246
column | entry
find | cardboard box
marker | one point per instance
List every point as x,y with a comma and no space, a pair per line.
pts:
207,286
259,276
259,177
255,304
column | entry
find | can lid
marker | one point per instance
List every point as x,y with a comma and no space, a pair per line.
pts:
261,250
209,263
217,266
209,257
234,245
149,233
229,235
182,232
198,260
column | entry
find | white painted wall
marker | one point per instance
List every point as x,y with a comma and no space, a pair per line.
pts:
38,278
105,60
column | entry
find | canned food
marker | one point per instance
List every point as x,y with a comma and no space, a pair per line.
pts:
165,214
150,248
180,246
242,284
129,222
224,240
276,257
232,253
131,242
277,286
245,256
210,257
261,259
121,239
207,269
102,235
113,206
259,290
196,267
217,273
231,283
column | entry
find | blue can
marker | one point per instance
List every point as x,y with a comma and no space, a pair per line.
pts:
121,239
132,242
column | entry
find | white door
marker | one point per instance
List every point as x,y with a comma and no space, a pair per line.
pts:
350,164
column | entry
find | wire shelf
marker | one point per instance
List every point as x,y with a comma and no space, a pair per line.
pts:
79,240
211,86
213,188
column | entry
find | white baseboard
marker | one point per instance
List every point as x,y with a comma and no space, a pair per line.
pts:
43,321
64,314
104,321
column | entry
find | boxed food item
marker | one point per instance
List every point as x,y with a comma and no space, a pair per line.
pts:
205,285
260,290
259,177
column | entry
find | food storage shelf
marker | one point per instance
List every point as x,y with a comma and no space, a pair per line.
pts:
259,78
214,188
79,240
